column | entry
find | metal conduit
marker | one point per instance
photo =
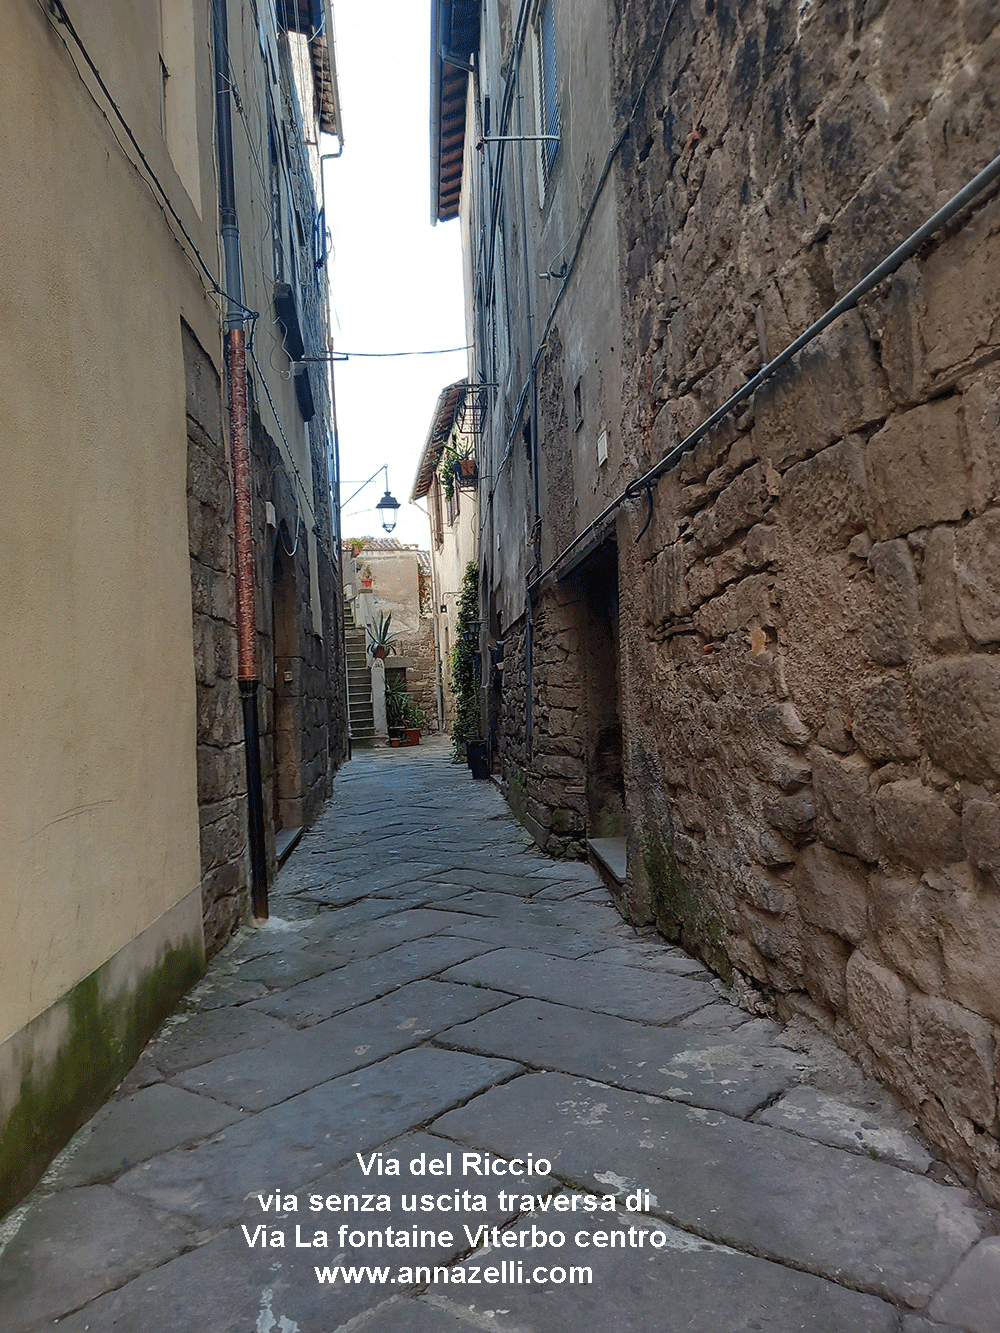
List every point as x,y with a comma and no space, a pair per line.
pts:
988,176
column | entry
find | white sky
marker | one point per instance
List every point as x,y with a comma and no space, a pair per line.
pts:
396,281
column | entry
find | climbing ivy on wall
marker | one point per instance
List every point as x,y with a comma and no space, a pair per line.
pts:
464,684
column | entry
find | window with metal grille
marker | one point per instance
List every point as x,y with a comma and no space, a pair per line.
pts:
546,100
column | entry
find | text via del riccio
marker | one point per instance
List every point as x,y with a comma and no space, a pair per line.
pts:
453,1201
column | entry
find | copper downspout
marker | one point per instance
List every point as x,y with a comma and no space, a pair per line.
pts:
239,439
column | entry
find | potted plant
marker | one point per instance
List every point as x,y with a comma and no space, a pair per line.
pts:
457,466
366,577
380,637
402,713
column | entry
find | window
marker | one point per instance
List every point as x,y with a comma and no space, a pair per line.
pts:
546,101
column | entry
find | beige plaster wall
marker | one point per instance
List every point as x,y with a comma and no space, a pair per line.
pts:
97,772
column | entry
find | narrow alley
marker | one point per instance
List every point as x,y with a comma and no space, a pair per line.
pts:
587,1132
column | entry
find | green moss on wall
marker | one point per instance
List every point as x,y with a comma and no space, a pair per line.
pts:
103,1040
681,910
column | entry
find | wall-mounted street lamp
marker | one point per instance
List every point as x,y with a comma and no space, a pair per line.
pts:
387,506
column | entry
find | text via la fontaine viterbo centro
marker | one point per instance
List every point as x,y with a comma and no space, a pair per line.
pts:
448,1213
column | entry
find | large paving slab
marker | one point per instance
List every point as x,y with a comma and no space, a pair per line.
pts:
832,1213
818,1116
151,1121
364,980
296,1142
724,1075
605,987
519,935
685,1284
189,1039
327,940
76,1244
257,1079
971,1299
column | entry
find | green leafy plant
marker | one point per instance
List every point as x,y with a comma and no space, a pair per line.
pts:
464,684
454,452
400,710
380,637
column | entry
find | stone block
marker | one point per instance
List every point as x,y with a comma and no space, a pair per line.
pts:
902,352
824,968
981,834
877,1002
954,1050
892,633
942,624
883,721
916,470
669,585
901,915
981,399
781,722
893,201
762,545
969,928
834,388
741,505
958,704
743,604
776,938
783,767
701,581
792,815
917,825
845,816
978,570
832,891
221,773
761,888
730,565
961,300
825,498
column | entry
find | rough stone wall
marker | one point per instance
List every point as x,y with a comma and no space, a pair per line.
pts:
221,763
810,626
420,660
546,787
299,716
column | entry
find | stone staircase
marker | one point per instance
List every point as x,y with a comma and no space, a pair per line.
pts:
359,684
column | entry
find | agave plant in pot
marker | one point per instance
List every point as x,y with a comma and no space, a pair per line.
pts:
381,639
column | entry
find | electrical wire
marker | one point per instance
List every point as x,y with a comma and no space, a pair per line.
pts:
983,180
195,257
284,439
434,351
583,228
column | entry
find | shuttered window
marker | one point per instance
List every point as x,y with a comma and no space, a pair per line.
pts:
548,103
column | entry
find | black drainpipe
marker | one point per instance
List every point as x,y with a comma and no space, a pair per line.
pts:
236,367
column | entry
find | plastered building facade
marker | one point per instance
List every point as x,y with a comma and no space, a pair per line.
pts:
762,653
452,513
122,777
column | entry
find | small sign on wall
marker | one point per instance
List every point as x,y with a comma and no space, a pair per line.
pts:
602,448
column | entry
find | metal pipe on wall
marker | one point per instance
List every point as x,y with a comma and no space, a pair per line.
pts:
239,439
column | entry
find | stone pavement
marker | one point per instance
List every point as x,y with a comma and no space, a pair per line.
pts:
434,996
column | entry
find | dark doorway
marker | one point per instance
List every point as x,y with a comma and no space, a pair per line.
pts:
287,785
598,582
